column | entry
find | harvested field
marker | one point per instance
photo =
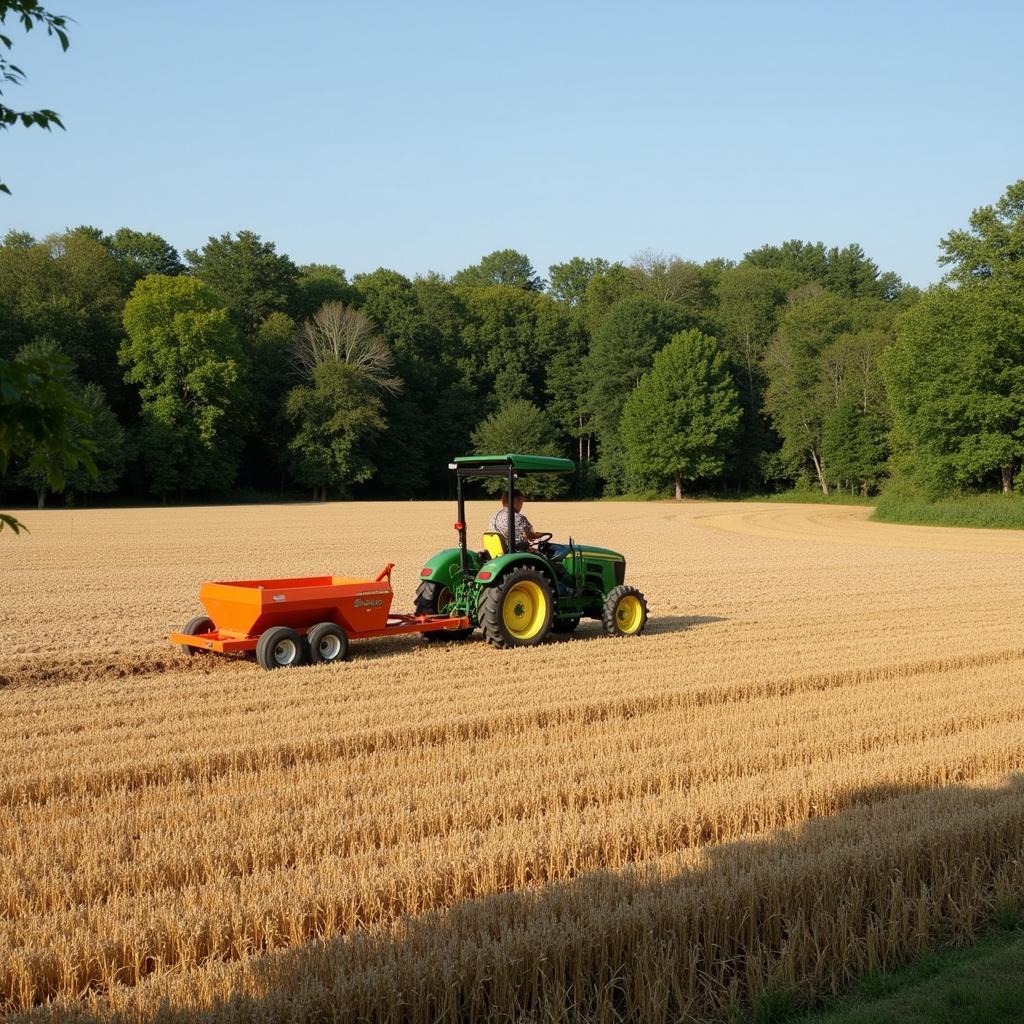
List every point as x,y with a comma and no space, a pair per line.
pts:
811,765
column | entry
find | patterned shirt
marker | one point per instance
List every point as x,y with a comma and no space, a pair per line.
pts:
499,524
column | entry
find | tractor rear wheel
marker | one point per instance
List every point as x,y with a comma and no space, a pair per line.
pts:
280,647
516,611
327,643
624,612
200,624
433,599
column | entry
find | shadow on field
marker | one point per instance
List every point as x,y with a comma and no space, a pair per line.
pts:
774,922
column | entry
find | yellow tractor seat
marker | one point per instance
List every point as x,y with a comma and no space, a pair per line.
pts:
494,544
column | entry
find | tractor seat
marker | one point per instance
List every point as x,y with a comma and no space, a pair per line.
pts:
494,544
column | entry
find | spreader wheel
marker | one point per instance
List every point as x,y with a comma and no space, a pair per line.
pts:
327,643
516,611
280,647
624,612
434,599
194,627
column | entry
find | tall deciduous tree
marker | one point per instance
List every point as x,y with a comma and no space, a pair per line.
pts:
508,336
97,431
799,396
184,354
568,282
141,253
679,423
252,278
955,375
318,283
749,301
991,250
338,410
622,350
505,267
41,421
336,414
69,289
955,379
519,426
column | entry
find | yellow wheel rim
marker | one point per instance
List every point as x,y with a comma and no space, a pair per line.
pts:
524,610
629,614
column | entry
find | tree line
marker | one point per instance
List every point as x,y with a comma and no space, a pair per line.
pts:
230,367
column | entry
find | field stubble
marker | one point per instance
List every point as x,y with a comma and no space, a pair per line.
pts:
810,767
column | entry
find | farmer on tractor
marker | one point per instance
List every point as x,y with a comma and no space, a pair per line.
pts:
517,597
525,533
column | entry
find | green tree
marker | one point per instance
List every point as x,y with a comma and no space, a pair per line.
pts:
336,414
251,277
264,464
519,426
567,398
416,422
68,288
184,354
568,282
606,288
31,14
800,392
991,250
622,350
955,380
507,338
98,431
457,403
503,267
681,419
955,375
318,283
854,446
140,254
749,301
41,420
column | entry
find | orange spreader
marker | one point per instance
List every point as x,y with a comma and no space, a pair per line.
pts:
241,610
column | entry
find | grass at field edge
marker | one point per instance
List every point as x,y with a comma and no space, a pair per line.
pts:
982,983
989,511
978,511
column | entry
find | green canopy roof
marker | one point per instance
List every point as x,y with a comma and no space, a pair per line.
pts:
520,463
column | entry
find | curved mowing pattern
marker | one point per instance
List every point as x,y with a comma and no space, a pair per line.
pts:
810,765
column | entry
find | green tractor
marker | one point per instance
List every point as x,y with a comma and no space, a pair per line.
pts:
518,597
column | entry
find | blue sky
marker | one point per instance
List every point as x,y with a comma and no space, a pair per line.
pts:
422,136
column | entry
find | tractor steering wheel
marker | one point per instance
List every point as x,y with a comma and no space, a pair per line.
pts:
541,541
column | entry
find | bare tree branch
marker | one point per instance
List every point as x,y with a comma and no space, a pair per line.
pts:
338,333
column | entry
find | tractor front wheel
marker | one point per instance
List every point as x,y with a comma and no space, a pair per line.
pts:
435,599
624,612
516,611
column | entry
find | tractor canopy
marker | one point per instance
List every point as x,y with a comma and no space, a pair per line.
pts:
495,465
